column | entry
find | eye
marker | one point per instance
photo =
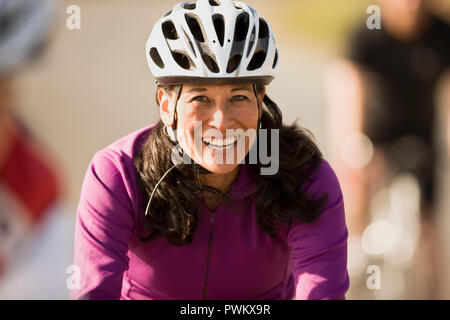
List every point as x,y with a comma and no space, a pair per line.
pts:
239,98
201,99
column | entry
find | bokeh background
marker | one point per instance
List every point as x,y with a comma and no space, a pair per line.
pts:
93,86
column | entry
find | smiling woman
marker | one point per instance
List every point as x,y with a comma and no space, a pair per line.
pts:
149,227
221,111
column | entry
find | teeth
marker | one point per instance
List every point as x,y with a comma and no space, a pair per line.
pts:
220,142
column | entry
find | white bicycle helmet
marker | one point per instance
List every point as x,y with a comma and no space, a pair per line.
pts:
221,41
24,27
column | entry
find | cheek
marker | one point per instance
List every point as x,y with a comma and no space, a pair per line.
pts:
186,130
185,120
249,117
187,115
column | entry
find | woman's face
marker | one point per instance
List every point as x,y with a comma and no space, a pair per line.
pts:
216,124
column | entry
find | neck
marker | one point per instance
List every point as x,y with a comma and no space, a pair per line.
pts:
222,182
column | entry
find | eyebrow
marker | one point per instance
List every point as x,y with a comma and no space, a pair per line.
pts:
241,88
197,90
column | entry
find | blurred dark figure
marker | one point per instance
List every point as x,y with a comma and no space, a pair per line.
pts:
28,184
387,93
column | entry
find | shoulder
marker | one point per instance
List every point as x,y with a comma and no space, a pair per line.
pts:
120,154
322,180
128,146
111,172
330,227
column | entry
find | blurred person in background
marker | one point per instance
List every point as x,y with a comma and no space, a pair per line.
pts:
382,99
29,188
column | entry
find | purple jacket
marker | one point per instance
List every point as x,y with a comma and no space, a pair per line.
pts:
230,256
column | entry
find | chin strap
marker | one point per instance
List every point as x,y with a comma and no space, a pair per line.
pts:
259,107
156,187
170,129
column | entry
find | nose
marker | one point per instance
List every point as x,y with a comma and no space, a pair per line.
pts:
221,119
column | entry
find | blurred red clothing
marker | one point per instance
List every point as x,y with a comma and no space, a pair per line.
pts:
28,188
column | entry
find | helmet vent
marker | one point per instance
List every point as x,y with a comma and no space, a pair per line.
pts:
234,62
257,60
210,63
275,61
252,41
219,25
195,28
214,3
189,6
154,54
169,31
260,55
241,29
263,29
182,60
190,42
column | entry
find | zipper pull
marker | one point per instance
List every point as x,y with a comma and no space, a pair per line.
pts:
212,216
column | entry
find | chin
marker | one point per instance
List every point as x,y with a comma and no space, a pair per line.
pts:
220,168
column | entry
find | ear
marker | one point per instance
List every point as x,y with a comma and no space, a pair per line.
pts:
166,107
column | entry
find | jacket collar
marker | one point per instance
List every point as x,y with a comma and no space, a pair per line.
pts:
245,184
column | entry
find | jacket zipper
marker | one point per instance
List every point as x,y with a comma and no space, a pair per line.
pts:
208,255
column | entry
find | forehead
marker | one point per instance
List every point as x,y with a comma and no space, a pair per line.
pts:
216,87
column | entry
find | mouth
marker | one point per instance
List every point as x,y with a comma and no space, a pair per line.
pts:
220,144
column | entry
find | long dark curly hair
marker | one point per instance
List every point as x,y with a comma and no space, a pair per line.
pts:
175,205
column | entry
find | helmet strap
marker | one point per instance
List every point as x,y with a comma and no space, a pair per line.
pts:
170,130
259,106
